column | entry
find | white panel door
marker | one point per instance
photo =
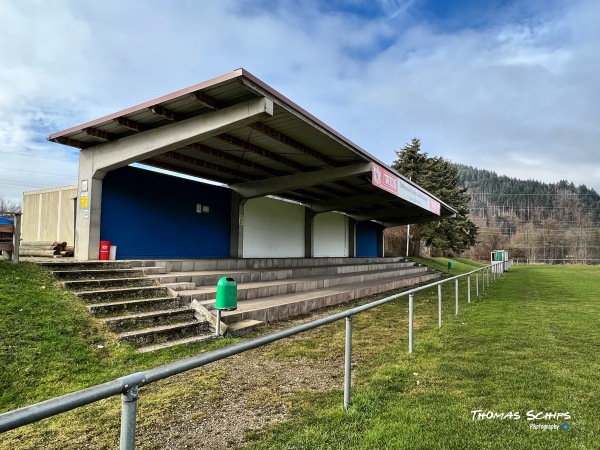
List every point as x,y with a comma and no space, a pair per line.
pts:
331,235
273,229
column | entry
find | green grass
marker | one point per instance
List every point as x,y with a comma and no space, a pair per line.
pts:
529,342
461,265
50,345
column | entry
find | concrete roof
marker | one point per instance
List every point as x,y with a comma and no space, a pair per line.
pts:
287,152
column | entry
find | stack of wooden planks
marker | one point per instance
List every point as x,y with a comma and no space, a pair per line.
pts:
45,248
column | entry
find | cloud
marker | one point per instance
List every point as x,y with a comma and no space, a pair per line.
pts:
521,82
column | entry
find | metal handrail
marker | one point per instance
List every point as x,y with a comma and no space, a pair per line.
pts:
128,385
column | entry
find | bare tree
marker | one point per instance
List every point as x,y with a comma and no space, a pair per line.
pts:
9,205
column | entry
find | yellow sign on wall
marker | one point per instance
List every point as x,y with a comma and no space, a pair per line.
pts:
83,202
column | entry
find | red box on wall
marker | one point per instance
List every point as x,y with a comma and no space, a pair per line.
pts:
104,250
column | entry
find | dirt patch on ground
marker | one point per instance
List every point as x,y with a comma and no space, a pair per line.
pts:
234,397
217,406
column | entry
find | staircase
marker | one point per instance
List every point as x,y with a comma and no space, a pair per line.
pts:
136,307
157,304
272,289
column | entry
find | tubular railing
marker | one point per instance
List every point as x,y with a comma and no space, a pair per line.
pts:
128,386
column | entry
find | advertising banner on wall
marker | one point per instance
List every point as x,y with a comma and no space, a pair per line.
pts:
384,179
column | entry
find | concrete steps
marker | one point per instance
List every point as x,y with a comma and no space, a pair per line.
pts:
131,322
274,289
119,307
156,304
281,307
211,277
131,304
261,289
164,333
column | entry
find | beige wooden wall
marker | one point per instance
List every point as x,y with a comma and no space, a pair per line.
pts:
48,215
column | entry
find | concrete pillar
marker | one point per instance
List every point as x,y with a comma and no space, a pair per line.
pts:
236,249
309,233
351,237
380,242
89,208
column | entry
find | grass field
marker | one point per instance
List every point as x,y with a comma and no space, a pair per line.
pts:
527,347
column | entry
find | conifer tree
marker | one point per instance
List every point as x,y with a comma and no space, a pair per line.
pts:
440,178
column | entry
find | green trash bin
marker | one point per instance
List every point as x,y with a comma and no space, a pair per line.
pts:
450,264
226,294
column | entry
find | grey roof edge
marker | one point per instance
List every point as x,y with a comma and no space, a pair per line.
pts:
205,84
243,73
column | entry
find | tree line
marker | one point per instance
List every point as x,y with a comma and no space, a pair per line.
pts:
534,221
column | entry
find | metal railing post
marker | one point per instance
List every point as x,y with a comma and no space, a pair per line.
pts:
411,305
477,283
128,418
348,363
439,306
483,279
218,326
456,294
487,273
469,288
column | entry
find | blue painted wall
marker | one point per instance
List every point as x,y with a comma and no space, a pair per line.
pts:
366,238
152,215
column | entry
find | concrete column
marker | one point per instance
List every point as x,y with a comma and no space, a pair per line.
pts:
309,233
89,208
380,242
236,249
351,237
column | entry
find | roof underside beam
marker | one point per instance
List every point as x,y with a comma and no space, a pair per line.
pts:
342,203
236,142
112,155
271,186
206,150
104,135
131,124
202,164
286,140
207,101
173,168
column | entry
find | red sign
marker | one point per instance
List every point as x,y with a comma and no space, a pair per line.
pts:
387,181
384,179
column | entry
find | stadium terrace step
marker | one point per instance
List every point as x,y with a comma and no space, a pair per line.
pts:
165,333
290,305
129,293
161,317
181,286
108,283
95,274
172,342
243,326
157,304
274,289
211,277
135,306
262,289
230,264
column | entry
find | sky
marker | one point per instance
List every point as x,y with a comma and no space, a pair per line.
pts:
511,86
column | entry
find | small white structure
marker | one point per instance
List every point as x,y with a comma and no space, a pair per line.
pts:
500,256
49,215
